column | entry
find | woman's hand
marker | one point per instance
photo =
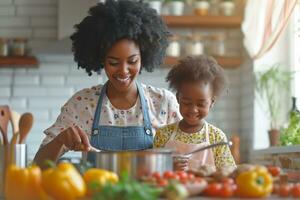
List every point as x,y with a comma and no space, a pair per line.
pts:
180,163
74,139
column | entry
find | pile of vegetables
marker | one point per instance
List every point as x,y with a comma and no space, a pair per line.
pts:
291,134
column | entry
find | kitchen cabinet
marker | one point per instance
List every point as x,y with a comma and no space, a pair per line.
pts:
211,22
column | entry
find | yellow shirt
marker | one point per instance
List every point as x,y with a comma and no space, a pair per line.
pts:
222,154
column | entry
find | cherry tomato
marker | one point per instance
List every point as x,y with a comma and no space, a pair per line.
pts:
213,189
162,182
296,190
274,170
182,175
227,181
226,191
168,174
284,190
156,175
191,176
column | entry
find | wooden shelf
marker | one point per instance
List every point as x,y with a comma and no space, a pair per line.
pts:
225,62
18,62
211,21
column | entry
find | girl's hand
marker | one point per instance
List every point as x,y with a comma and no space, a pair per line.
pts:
180,163
74,139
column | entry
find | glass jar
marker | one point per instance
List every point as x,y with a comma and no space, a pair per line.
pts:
3,47
201,7
218,47
173,49
194,45
19,47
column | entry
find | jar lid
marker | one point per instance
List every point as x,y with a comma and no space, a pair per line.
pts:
194,37
219,36
174,37
20,39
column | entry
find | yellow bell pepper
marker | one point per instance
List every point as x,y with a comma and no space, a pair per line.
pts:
255,183
24,183
63,182
99,177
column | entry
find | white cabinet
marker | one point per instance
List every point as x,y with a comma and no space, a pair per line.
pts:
71,12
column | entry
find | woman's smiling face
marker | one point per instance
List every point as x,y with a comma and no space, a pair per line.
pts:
122,64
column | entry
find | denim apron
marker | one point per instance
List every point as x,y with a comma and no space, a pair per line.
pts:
116,138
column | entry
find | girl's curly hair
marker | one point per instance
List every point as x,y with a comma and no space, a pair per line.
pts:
114,20
198,68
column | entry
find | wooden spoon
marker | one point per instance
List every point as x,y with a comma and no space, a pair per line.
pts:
4,119
25,125
14,119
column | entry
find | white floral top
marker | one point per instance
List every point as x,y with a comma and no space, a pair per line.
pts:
80,110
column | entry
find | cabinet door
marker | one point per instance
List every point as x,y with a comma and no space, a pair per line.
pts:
71,12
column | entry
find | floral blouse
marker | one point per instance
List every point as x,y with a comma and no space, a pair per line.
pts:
80,110
222,154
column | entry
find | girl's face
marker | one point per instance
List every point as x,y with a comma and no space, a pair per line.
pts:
195,100
122,65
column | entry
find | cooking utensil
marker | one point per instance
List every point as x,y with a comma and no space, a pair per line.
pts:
14,119
4,119
208,147
136,163
25,125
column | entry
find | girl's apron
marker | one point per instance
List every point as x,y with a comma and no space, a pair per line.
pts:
198,159
116,138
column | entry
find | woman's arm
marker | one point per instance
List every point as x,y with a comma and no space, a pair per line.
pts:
73,138
51,151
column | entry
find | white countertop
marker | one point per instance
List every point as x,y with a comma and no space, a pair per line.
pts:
277,150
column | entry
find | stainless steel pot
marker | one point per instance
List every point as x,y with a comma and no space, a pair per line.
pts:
136,163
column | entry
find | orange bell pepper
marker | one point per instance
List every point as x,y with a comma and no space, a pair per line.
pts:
24,183
63,182
255,183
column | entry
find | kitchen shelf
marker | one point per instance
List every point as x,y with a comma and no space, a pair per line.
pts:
225,62
18,62
211,21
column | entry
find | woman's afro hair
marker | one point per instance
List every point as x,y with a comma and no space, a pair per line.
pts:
114,20
198,68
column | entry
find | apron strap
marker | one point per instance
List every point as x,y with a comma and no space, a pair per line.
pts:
146,118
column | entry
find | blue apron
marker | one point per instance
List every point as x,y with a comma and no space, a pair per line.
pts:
116,138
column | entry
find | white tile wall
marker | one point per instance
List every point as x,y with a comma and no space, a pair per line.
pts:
44,90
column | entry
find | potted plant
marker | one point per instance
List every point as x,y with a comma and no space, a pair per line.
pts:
175,7
227,7
269,86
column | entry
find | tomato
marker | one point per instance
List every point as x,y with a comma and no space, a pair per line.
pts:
274,170
226,191
182,175
213,189
191,176
227,181
162,182
296,190
284,190
156,175
168,174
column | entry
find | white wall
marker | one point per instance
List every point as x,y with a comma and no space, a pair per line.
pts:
44,90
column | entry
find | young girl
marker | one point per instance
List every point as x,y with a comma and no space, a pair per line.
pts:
198,82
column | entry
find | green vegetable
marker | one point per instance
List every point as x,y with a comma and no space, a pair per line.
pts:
127,189
291,135
176,191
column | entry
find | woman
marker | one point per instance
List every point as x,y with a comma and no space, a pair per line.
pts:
122,37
